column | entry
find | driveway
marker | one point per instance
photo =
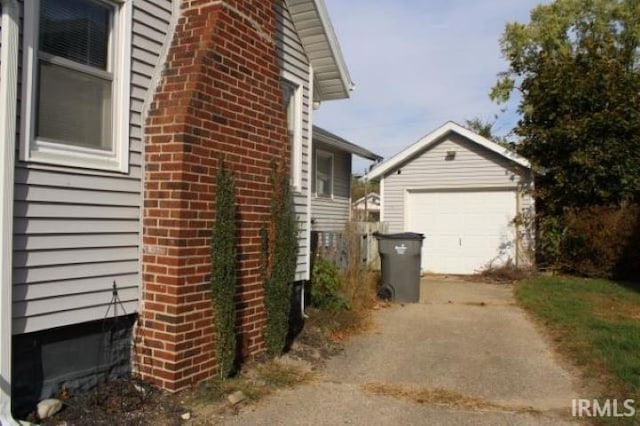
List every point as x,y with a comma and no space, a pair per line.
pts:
465,355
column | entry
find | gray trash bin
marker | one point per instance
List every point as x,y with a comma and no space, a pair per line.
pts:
400,256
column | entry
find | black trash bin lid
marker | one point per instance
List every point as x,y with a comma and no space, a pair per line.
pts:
399,236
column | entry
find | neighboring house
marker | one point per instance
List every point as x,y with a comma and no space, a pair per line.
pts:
367,208
331,185
127,109
463,192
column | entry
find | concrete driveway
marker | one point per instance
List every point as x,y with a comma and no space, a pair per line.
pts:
465,355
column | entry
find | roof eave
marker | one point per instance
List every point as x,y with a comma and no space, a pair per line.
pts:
409,152
336,141
328,87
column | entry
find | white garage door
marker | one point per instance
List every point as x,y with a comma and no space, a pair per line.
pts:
465,231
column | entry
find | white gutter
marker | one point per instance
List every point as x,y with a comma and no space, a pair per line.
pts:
310,177
8,104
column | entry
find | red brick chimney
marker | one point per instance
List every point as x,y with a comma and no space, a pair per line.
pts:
220,95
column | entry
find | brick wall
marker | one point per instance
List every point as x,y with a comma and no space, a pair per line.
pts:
220,94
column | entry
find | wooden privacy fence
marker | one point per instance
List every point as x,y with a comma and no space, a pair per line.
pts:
356,241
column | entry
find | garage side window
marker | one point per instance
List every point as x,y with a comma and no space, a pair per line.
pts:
324,174
76,100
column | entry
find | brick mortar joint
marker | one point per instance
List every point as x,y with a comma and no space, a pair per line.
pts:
264,35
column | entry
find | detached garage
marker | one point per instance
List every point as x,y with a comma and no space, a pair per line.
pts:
463,192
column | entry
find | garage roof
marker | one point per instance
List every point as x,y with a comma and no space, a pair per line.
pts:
311,19
434,137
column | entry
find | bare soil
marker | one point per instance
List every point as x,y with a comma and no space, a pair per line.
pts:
130,402
124,402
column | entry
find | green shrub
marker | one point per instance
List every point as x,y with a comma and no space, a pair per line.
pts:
326,283
602,241
280,257
550,242
223,272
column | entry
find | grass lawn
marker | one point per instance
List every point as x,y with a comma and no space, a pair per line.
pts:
596,323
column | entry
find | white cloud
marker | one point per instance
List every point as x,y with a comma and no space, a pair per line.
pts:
416,64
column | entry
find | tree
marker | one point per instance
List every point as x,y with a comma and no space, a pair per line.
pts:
485,129
481,127
576,66
358,187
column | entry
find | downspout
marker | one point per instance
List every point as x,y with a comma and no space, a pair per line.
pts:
312,107
8,118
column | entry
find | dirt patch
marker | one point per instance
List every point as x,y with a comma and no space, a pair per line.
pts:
315,344
118,403
130,402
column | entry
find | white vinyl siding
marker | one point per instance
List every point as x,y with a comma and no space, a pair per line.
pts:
0,34
473,167
77,231
332,213
294,61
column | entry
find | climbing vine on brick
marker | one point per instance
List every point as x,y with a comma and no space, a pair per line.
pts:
280,251
223,271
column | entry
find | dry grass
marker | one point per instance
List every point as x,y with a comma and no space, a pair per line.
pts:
438,397
358,288
258,380
284,373
341,324
503,274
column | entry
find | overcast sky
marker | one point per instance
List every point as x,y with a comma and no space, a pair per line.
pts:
417,64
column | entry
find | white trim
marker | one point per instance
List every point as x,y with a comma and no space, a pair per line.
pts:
405,208
42,151
156,79
334,46
382,200
296,149
309,177
313,25
8,108
434,137
315,173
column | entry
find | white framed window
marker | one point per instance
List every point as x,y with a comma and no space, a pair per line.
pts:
76,83
292,88
324,174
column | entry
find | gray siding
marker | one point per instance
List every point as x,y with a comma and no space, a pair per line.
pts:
332,214
78,231
474,167
293,59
